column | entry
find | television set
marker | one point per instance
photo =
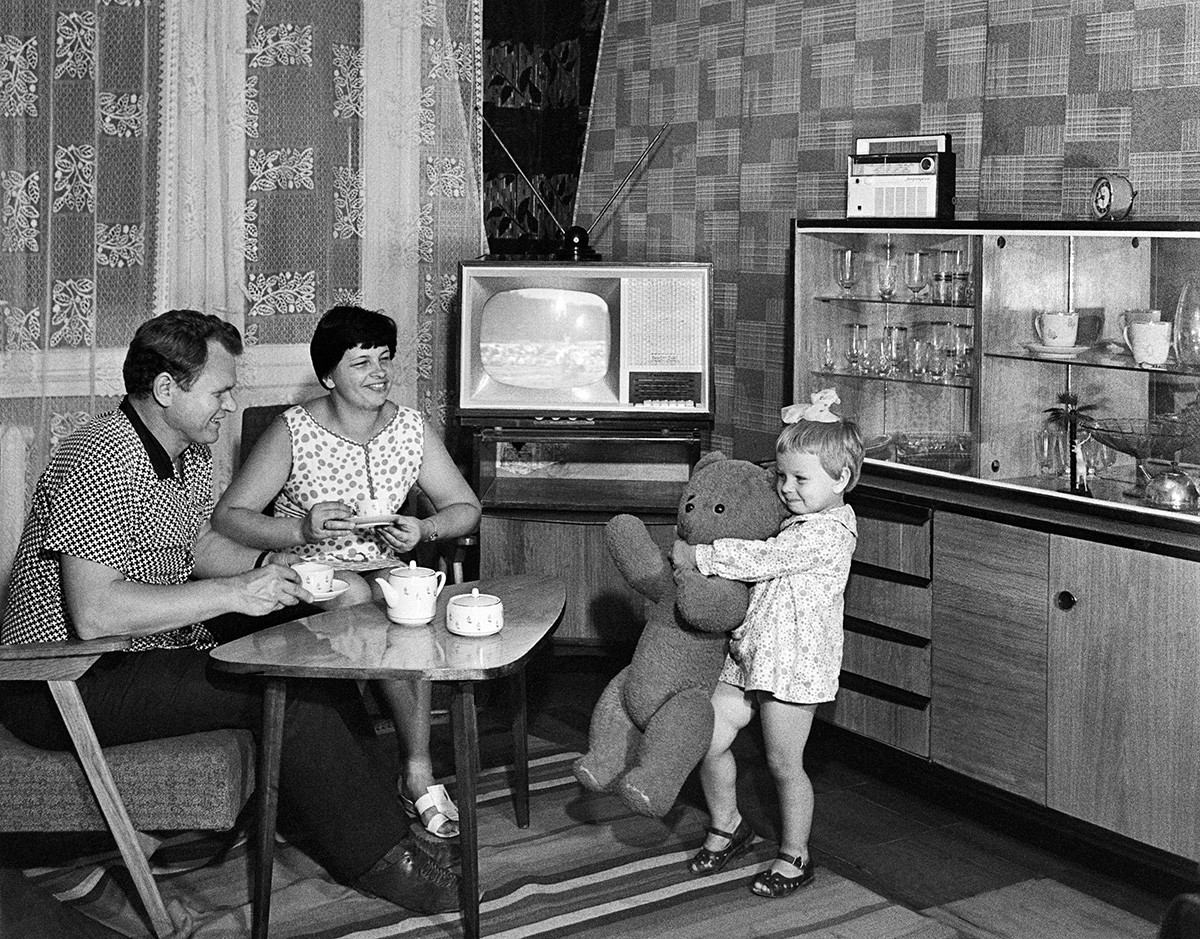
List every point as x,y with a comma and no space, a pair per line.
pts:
596,340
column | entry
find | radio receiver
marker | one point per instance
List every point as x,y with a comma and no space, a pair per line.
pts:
901,177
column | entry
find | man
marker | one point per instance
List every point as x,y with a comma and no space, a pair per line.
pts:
118,543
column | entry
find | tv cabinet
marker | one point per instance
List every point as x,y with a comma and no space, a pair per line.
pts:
547,492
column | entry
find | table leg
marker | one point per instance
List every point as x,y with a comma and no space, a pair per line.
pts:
520,733
466,771
270,746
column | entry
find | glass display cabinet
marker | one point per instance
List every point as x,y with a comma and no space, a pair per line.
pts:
1063,358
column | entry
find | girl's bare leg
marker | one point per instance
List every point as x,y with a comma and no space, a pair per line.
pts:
785,732
732,710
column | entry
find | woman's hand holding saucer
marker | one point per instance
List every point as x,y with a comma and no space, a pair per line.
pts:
324,520
403,535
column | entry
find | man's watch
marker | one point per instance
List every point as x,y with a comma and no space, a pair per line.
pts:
433,531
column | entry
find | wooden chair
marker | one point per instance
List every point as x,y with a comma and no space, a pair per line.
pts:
196,781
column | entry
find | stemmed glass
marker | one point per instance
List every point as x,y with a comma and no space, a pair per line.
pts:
846,268
885,278
916,274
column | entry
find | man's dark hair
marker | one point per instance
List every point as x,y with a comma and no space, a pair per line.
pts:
176,343
343,328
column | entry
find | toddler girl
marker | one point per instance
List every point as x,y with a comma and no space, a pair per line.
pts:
785,658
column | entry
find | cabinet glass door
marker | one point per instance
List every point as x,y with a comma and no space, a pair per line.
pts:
890,319
1061,311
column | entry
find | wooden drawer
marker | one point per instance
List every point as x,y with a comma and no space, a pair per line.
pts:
894,537
873,598
890,658
901,725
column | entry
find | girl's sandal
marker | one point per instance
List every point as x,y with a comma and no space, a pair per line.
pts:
435,810
774,885
709,862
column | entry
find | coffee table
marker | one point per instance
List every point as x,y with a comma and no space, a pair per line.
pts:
358,642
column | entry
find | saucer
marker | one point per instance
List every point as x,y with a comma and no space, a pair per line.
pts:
371,521
1056,352
339,587
476,633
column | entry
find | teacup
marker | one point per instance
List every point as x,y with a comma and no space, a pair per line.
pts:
371,508
315,577
1129,317
1150,343
1056,329
474,614
411,593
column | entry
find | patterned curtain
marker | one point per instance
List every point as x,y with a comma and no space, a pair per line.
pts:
255,159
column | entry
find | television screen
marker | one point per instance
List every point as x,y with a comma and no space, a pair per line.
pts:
543,339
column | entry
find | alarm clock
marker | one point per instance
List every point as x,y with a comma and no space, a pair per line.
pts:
1112,197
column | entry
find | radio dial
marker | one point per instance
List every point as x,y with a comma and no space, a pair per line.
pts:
926,164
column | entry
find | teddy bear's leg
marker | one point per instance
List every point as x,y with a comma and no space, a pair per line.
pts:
675,741
612,739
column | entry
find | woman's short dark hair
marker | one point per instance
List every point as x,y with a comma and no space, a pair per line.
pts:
342,329
176,343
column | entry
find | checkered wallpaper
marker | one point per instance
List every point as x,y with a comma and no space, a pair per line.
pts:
766,97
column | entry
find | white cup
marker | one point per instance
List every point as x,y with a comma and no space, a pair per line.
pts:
474,614
411,593
1129,317
315,577
1150,343
1056,329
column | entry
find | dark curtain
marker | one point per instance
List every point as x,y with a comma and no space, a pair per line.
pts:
539,60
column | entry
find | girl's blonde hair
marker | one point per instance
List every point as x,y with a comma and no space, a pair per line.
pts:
837,444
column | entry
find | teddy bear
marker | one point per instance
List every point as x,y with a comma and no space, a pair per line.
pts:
654,720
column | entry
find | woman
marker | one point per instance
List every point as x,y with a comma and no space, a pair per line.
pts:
354,453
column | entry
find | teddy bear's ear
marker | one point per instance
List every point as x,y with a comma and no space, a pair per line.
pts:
713,456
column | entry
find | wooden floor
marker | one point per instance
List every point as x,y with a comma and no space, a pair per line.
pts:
986,865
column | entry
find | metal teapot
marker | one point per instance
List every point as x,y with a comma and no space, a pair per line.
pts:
1174,490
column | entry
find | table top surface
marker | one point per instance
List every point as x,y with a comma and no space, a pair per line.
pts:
360,642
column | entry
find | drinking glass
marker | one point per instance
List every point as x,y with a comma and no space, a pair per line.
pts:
856,346
846,268
897,342
916,274
1096,456
885,278
918,358
880,361
829,359
964,348
1048,450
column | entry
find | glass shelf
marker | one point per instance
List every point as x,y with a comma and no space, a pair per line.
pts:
893,301
1099,358
902,377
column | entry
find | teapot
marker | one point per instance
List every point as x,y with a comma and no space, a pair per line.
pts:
411,593
1173,490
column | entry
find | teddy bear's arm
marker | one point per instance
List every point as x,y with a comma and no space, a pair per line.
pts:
710,604
640,561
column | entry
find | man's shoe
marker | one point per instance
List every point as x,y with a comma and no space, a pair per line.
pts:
408,879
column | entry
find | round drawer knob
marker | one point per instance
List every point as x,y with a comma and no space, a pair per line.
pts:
1065,600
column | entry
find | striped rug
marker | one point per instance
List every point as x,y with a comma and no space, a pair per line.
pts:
586,867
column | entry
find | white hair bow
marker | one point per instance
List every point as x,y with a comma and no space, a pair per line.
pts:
817,411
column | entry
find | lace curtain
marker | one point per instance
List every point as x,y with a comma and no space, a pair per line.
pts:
254,159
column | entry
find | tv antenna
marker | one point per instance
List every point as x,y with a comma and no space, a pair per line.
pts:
575,246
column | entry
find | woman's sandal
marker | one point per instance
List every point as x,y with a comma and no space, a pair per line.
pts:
774,885
709,862
435,810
